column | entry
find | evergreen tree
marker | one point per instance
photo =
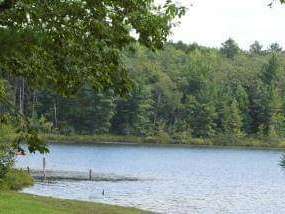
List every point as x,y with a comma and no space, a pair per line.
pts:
203,114
230,48
263,97
255,48
275,48
233,120
133,115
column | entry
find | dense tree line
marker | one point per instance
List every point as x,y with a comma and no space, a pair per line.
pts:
68,48
64,46
182,90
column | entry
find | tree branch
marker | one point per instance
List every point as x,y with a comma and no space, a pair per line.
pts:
7,4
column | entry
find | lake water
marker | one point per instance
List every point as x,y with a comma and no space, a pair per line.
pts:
171,179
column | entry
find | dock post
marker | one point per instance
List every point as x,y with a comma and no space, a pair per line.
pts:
90,174
44,168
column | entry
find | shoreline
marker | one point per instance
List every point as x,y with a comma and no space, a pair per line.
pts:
14,200
170,145
244,143
24,203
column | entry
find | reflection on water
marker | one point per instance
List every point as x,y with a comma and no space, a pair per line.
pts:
173,179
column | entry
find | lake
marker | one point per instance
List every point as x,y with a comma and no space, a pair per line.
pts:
170,179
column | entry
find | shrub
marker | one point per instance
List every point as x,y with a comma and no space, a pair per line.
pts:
226,139
6,158
15,180
150,139
201,142
161,137
41,124
7,132
182,137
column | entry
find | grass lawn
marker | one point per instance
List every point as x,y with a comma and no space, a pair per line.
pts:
17,203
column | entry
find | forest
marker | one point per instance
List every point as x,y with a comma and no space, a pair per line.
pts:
89,90
182,92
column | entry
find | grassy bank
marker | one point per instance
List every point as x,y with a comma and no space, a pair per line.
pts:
215,141
163,138
17,203
91,138
12,202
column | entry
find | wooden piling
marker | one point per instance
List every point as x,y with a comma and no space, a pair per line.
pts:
44,168
90,174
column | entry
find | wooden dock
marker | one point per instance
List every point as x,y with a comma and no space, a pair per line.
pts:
53,175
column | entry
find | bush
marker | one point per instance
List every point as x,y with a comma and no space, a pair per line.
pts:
161,137
150,139
41,124
6,158
201,142
15,180
7,132
225,139
182,137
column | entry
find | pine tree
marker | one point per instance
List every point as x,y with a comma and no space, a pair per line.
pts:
230,48
133,115
255,48
233,120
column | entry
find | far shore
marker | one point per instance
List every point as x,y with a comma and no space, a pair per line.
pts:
249,143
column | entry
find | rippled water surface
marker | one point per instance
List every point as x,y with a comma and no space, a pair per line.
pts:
170,179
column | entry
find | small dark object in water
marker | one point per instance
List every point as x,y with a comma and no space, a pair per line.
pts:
103,192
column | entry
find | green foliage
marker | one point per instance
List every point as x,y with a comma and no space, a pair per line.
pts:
230,48
15,180
6,131
7,153
163,137
275,48
160,137
90,113
202,119
6,159
233,120
102,138
133,115
41,124
2,88
64,46
269,75
181,94
256,48
182,137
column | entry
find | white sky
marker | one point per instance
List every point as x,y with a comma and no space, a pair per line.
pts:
211,22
